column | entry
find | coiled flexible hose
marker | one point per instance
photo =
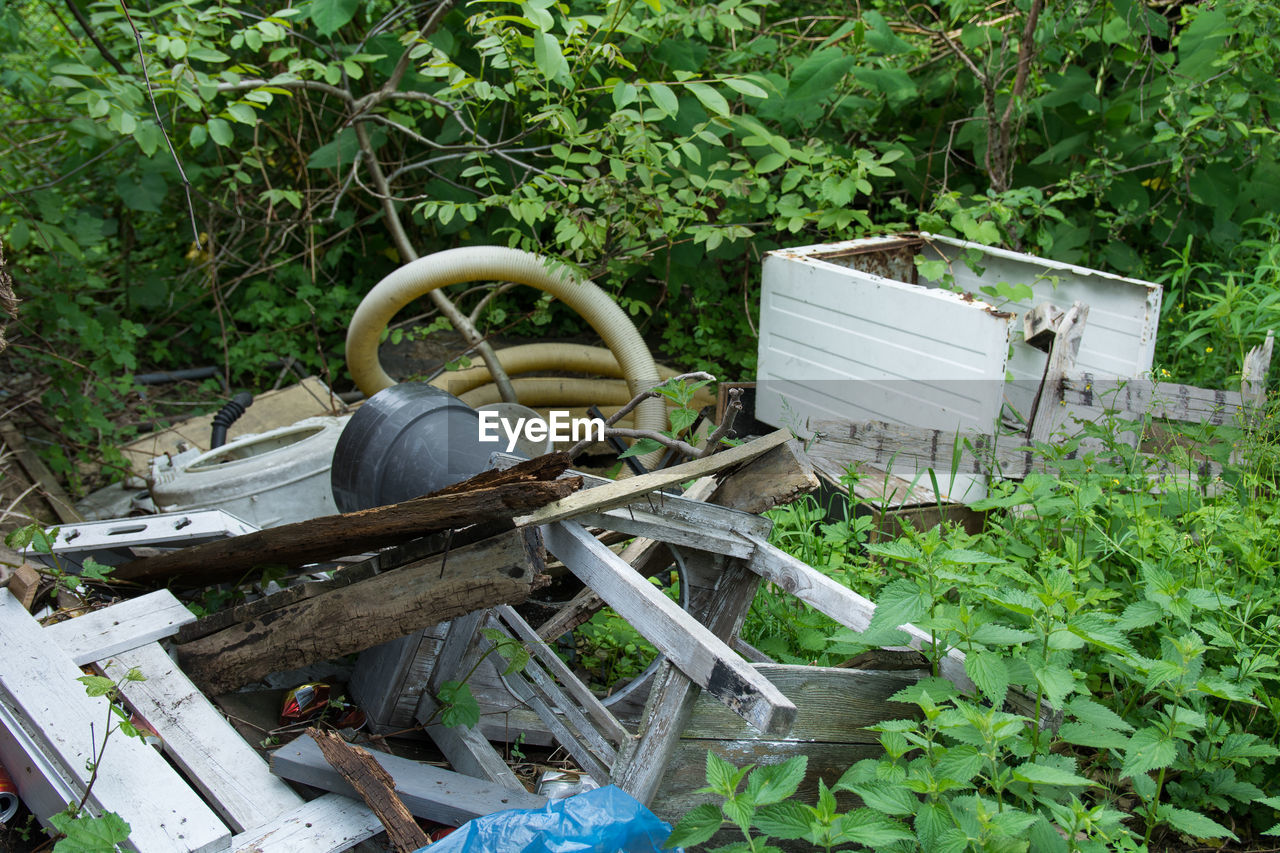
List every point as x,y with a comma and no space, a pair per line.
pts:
497,263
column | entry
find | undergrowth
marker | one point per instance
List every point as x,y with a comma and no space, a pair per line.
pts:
1127,597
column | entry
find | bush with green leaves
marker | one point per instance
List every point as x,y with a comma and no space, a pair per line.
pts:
1118,630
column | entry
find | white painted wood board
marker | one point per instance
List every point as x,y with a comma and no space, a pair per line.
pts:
328,824
229,772
126,625
38,683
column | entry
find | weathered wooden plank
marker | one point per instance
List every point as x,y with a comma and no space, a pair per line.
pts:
429,792
636,521
674,695
604,718
686,771
44,786
390,605
875,486
687,643
1134,399
881,443
38,683
840,603
231,774
566,722
623,492
467,749
328,824
293,545
835,707
122,626
775,478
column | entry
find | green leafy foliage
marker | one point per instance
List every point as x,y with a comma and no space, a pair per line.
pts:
1141,615
458,706
85,834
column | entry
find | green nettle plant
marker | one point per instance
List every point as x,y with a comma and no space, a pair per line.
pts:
1118,628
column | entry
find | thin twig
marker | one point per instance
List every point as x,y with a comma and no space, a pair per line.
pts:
151,96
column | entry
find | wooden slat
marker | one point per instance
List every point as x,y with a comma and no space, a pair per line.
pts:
674,695
328,824
687,643
623,492
562,717
230,773
881,443
636,521
1134,399
429,792
38,683
840,603
467,749
126,625
608,723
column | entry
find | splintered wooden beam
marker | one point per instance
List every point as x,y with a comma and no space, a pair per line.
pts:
384,607
375,786
687,643
293,545
622,492
839,602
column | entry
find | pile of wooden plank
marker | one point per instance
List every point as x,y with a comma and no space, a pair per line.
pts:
451,570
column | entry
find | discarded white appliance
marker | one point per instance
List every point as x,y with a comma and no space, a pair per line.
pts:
860,331
273,478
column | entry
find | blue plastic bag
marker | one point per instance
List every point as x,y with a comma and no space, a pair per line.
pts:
606,820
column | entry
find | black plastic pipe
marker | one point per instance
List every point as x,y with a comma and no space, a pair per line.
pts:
226,416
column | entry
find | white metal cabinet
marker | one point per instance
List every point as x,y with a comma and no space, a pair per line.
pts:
850,330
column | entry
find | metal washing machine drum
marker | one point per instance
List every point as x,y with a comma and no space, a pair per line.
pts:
273,478
406,441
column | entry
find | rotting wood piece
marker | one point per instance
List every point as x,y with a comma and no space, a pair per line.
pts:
409,555
303,542
500,570
375,786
